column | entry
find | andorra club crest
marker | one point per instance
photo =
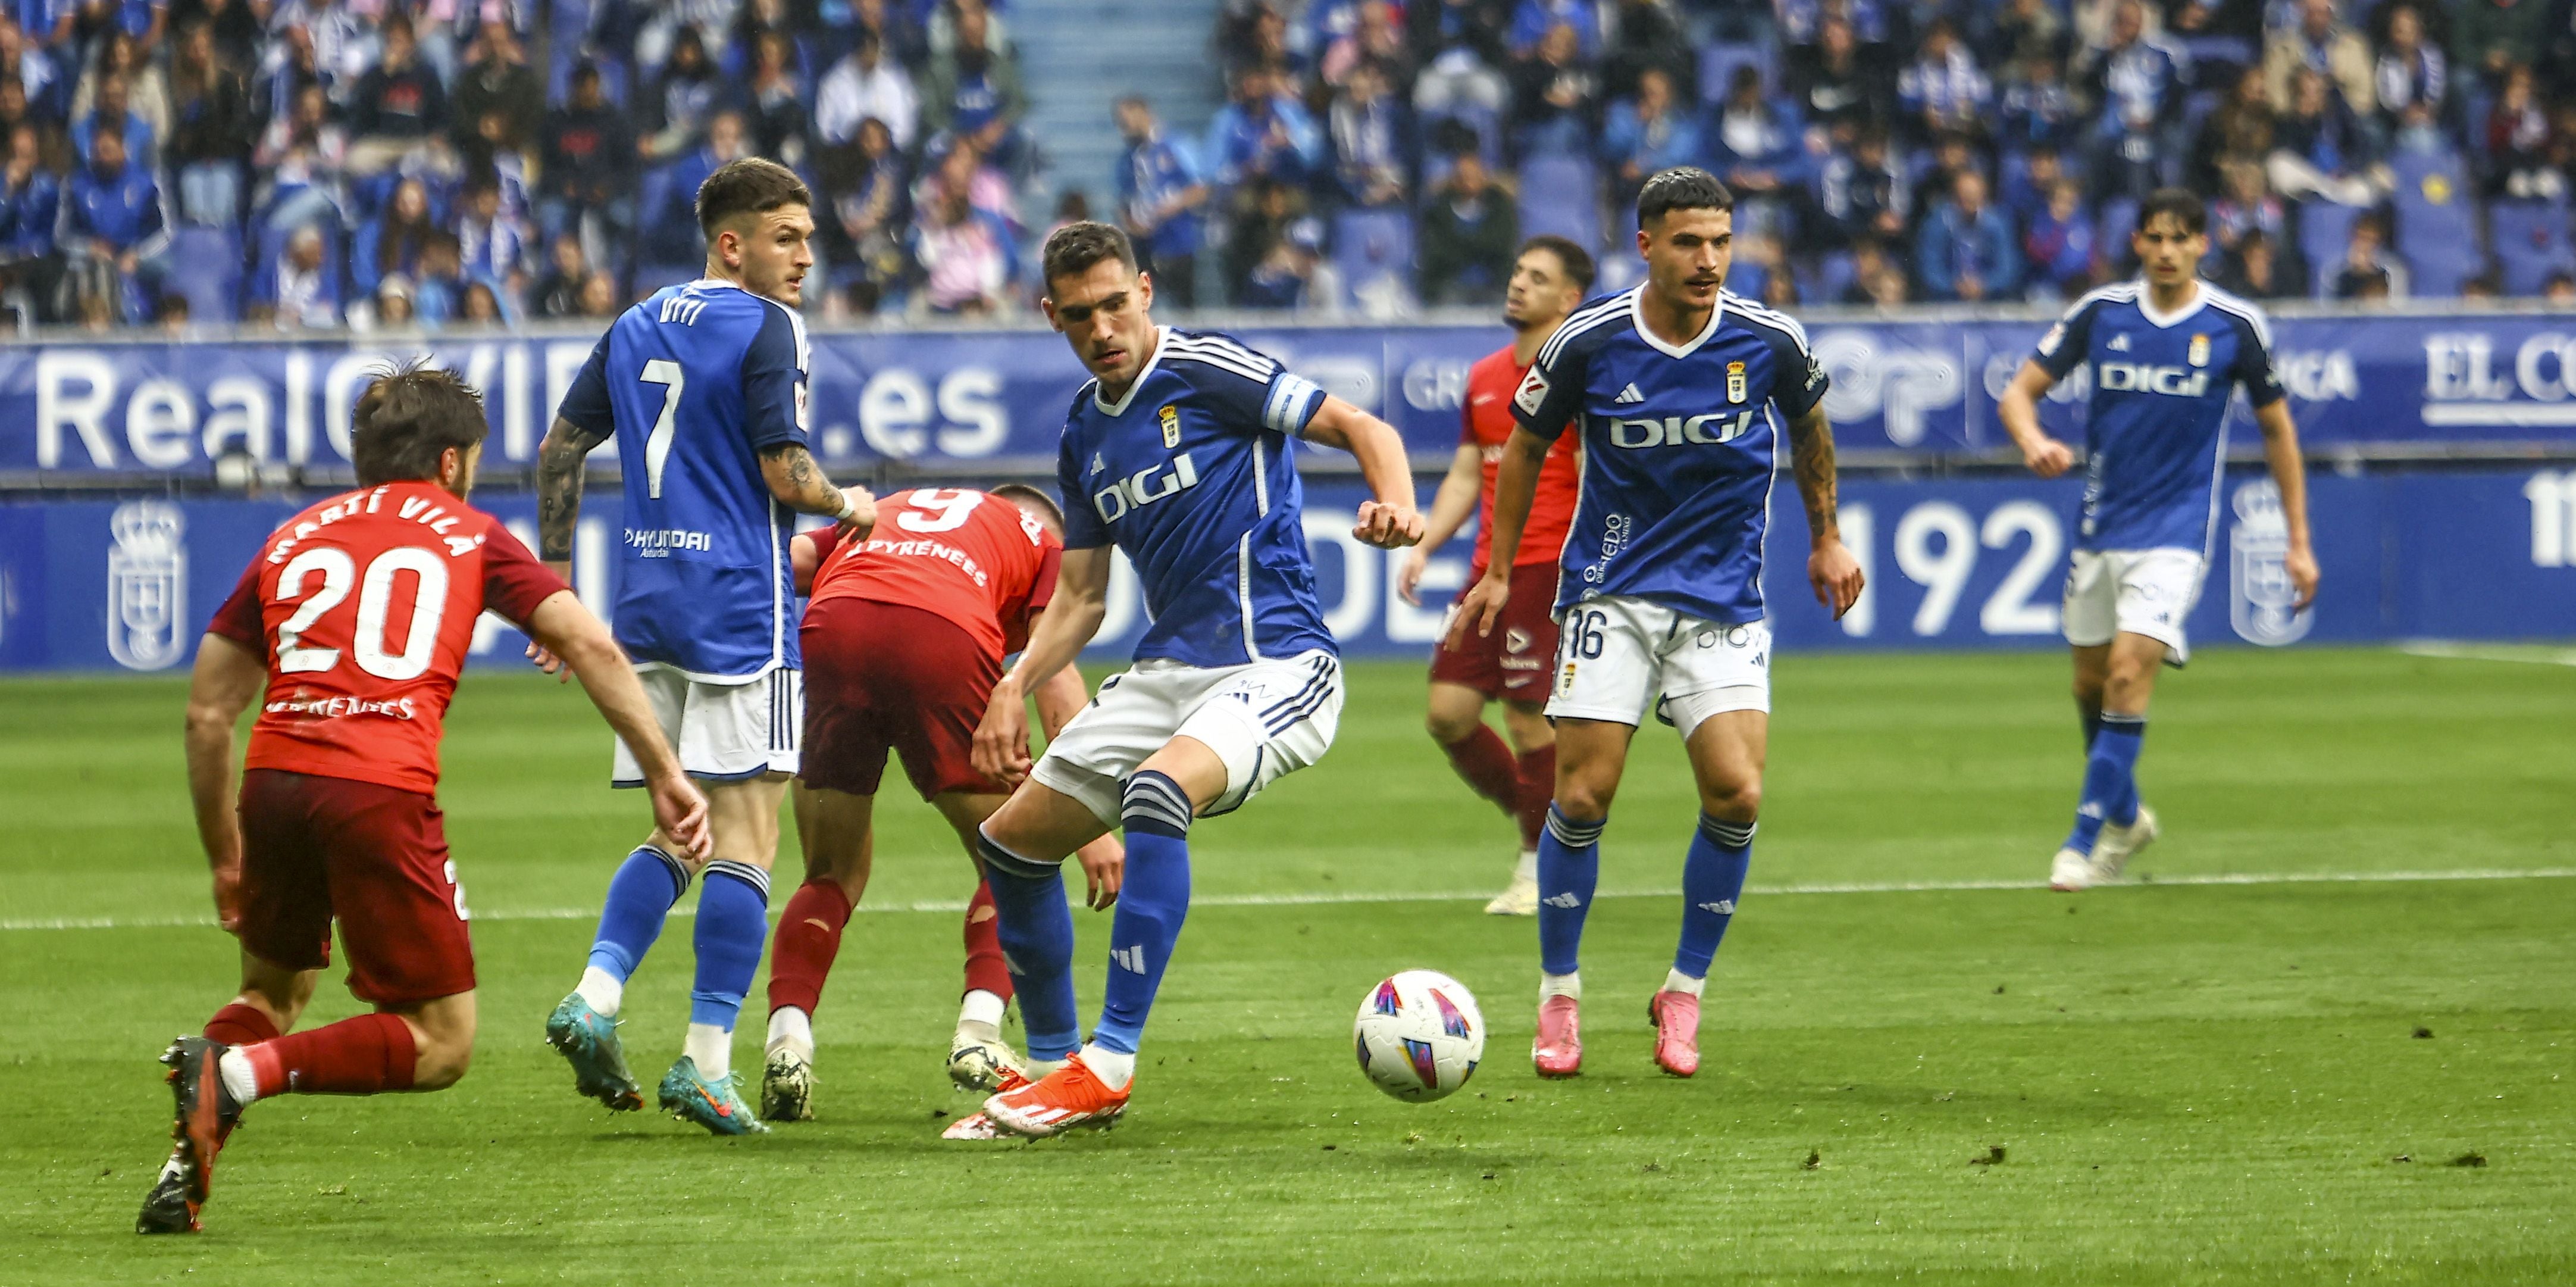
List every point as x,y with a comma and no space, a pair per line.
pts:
2260,592
147,585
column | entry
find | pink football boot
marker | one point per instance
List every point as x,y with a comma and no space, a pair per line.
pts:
1676,1019
1558,1051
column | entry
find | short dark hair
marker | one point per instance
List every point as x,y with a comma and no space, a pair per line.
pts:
752,185
1683,187
1569,256
1072,249
1016,492
408,418
2182,203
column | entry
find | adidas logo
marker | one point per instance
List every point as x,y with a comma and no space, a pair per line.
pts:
1130,959
1629,395
1566,900
2090,809
2118,344
1723,907
1097,464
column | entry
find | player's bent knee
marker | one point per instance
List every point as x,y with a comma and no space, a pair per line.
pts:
1733,801
1584,801
1448,728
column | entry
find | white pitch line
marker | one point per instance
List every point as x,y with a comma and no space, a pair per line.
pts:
2529,656
953,906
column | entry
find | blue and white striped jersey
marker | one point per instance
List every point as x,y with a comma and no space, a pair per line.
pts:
1190,476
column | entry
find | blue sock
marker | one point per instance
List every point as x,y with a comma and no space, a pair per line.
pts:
2110,780
1712,879
1569,866
640,896
733,922
1035,927
1153,900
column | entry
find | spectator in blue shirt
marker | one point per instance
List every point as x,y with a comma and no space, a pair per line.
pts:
2139,81
1372,140
669,234
2060,243
1965,251
1263,134
30,200
1646,134
111,114
1160,197
113,225
1865,194
1944,89
1533,19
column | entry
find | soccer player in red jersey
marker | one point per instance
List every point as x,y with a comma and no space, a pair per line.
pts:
904,636
1510,665
354,623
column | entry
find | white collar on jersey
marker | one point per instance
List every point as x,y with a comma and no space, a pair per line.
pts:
1637,313
1119,408
2165,321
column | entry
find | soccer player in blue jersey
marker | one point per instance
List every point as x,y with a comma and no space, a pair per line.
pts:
1180,454
2167,353
1680,391
703,386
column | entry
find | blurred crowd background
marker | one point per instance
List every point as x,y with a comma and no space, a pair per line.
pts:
372,164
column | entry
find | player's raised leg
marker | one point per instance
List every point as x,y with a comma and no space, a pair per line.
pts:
1727,751
1590,756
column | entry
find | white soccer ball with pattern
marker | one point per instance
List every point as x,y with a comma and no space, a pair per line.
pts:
1420,1035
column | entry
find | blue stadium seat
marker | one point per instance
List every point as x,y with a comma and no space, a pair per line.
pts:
1373,252
206,269
2325,231
1561,195
2437,230
2531,242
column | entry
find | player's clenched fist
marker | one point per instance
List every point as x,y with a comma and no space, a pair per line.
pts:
1002,740
1388,527
2048,457
1482,605
1835,573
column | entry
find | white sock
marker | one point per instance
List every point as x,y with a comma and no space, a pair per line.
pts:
1039,1068
1560,985
602,990
1527,868
789,1026
239,1077
711,1048
1114,1068
1676,981
982,1007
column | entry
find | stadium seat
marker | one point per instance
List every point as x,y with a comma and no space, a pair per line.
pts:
2436,229
1560,195
206,270
2325,232
2531,242
1373,252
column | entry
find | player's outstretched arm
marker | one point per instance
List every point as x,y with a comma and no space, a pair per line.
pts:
1450,507
559,478
798,483
2290,474
1390,522
2018,408
563,627
227,679
1515,489
1831,567
1071,618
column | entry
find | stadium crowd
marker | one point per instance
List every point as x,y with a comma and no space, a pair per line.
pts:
386,163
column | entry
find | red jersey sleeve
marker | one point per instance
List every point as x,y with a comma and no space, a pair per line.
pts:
1042,588
514,582
239,618
826,539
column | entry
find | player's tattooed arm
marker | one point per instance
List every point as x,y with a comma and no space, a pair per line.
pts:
798,482
1832,570
559,477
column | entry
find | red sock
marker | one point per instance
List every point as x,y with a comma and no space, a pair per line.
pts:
360,1056
1538,786
984,969
809,937
1485,761
241,1025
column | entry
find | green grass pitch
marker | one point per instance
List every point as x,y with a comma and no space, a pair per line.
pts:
2184,1080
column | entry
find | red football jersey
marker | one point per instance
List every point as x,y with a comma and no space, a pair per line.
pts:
1488,425
969,556
364,606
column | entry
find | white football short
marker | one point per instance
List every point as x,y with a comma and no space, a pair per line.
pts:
2138,592
724,732
1265,720
1616,656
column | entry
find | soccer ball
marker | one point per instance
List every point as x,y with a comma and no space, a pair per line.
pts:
1419,1035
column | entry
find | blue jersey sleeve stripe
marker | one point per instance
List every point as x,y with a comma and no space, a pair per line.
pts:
1583,319
1250,367
1218,346
1782,321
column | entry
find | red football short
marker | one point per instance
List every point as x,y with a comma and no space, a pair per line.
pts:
883,677
373,857
1512,663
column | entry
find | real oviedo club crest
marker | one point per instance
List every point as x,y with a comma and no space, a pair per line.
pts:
147,585
2260,594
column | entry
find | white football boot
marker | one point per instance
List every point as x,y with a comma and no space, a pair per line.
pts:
2118,844
2072,870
